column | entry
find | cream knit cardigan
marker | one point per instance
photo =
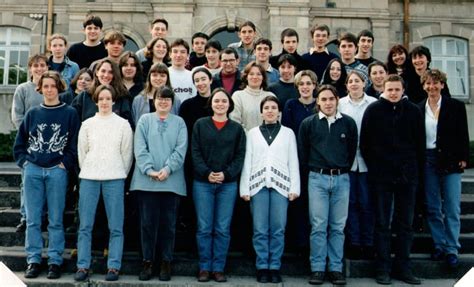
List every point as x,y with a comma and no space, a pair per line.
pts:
274,166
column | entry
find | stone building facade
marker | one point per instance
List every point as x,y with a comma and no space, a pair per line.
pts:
445,26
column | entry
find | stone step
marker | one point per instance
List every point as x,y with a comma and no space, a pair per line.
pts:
10,217
189,281
238,265
10,197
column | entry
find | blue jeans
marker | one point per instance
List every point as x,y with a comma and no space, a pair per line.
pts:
328,208
44,185
112,193
360,220
443,204
214,208
268,209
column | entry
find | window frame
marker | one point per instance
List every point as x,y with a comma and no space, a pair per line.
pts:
19,46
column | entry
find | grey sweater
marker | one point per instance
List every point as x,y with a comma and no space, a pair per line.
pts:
24,98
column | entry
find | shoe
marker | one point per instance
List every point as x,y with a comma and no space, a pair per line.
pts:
275,276
407,277
33,270
219,277
437,254
383,278
81,275
147,271
452,260
337,278
317,278
112,275
262,275
21,227
204,276
54,271
165,271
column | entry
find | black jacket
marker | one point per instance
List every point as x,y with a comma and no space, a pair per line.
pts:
452,136
217,82
392,141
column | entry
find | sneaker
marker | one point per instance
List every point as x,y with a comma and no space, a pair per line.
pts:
337,278
262,275
81,274
407,277
147,271
317,278
437,254
112,275
54,271
452,260
275,276
219,277
21,227
204,276
33,270
383,278
165,271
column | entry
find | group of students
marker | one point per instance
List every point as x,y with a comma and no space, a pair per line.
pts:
350,140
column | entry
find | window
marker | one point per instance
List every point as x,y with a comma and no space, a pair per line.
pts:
14,52
450,55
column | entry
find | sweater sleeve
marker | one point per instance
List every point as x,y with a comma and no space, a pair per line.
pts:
199,164
126,146
245,176
236,114
70,150
144,159
21,143
176,160
18,106
77,104
303,146
235,166
83,144
293,164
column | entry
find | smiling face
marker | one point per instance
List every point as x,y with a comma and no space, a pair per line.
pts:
327,103
420,63
212,56
58,48
49,91
114,48
355,86
399,58
158,30
247,35
159,50
158,80
92,32
378,75
290,44
105,102
202,83
287,72
365,45
229,63
306,87
220,104
255,78
163,105
433,87
129,70
320,39
83,82
270,112
262,53
37,69
179,55
393,91
335,71
104,74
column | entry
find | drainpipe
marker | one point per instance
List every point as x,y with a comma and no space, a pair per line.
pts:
406,23
49,30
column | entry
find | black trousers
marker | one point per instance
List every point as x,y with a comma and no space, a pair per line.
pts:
158,213
402,197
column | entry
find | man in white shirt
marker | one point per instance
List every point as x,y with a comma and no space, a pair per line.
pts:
181,79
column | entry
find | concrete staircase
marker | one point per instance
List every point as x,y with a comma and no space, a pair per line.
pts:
239,264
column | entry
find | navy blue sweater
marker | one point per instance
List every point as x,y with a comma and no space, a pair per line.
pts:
48,136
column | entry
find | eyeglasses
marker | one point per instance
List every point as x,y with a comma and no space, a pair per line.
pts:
163,99
229,61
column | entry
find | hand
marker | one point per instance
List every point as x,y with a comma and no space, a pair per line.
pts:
462,164
218,176
246,197
292,196
61,165
163,174
154,175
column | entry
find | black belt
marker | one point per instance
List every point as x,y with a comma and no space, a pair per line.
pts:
330,171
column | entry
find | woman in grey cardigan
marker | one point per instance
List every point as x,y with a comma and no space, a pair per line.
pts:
158,179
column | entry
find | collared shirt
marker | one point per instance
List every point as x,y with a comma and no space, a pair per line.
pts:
431,124
245,55
313,50
273,75
356,111
330,119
